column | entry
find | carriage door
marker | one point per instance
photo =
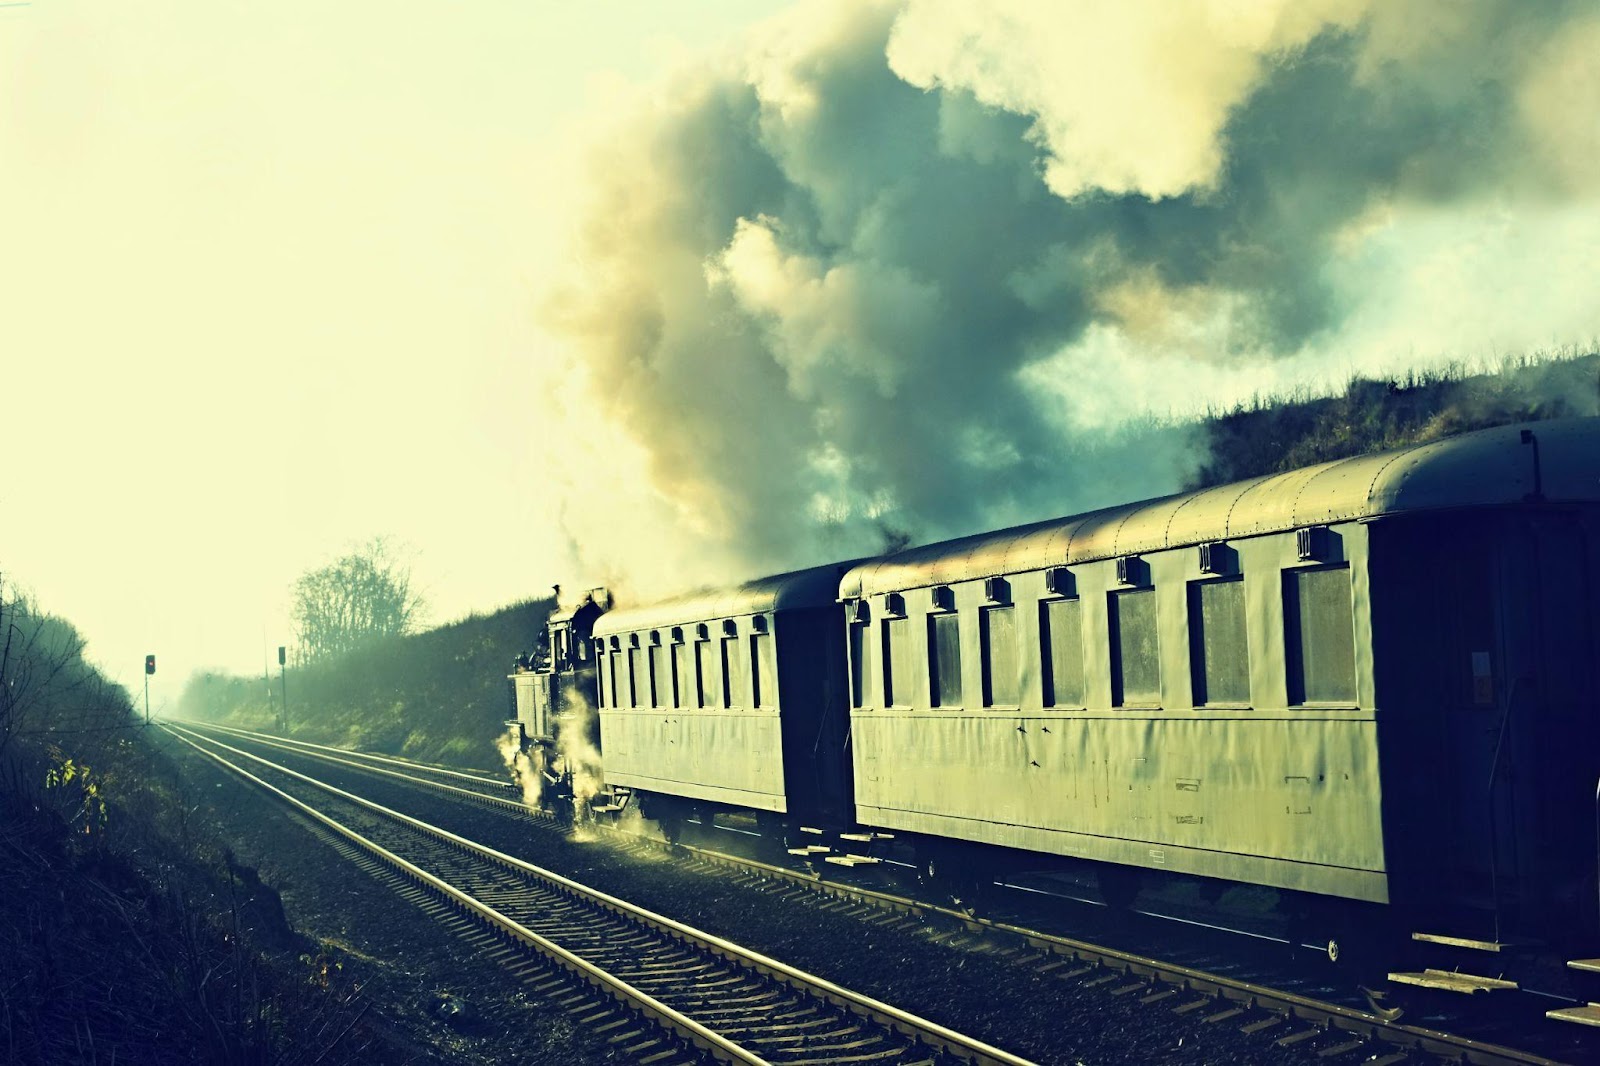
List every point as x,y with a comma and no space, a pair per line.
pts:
1545,764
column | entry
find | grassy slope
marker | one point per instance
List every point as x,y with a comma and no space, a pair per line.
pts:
438,695
127,933
1371,415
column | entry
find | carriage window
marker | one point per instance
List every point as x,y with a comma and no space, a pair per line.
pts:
998,629
1135,663
763,671
561,648
732,672
1220,655
637,682
898,687
704,672
944,660
860,664
1061,640
1319,636
680,680
660,679
600,680
611,671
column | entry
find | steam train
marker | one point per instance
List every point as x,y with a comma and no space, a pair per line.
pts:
1369,682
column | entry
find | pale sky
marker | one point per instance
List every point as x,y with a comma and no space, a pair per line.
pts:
716,288
269,276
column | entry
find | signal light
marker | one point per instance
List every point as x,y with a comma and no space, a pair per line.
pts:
149,664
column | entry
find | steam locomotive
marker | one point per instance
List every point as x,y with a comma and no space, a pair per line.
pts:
1369,682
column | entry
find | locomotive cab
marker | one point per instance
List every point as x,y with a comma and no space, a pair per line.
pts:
554,691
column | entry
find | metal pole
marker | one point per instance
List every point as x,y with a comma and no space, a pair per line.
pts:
147,698
283,691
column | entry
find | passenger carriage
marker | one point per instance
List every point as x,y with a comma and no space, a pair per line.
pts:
1370,679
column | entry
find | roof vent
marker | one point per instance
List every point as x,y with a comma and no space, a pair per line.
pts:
1132,570
730,628
633,640
997,590
616,644
702,631
894,605
942,598
758,623
655,637
1313,543
1218,558
856,611
1058,581
677,634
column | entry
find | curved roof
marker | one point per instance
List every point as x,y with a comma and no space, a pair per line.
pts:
1485,468
814,587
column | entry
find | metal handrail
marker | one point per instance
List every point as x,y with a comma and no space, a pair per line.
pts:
1494,823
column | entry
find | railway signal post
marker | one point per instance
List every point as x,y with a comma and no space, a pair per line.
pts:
283,688
149,668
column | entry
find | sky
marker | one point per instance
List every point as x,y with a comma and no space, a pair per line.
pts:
653,294
269,279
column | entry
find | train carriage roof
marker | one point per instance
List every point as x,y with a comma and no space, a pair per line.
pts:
817,586
1486,468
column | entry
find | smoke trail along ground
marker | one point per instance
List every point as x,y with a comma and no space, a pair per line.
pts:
901,266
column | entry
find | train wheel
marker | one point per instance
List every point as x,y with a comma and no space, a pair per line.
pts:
671,828
945,871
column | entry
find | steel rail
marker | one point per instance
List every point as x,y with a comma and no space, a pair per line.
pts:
929,1033
1291,1005
325,755
725,1050
289,743
1448,1046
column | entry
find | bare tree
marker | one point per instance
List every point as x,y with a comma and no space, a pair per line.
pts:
360,597
45,684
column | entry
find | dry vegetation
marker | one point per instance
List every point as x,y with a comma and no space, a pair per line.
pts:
1281,433
440,695
129,935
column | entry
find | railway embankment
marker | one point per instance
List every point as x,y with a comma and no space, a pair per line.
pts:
130,933
438,695
148,916
152,912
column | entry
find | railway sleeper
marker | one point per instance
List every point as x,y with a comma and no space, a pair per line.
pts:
803,1018
880,1056
757,998
834,1045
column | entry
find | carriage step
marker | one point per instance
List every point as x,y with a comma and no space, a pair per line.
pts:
853,860
1469,942
1586,965
605,808
1585,1015
1451,981
810,849
866,838
811,830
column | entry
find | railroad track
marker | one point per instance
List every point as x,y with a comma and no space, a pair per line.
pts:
667,993
1338,1032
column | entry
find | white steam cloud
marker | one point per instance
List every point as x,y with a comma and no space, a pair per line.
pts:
906,266
578,754
523,773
